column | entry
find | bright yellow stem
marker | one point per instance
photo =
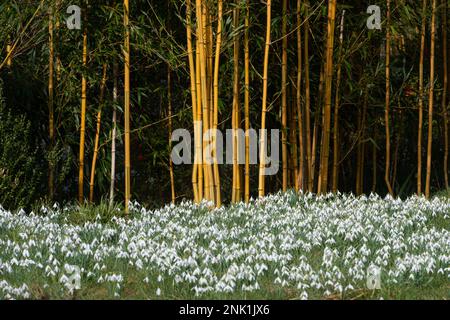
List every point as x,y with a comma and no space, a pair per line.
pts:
127,106
262,163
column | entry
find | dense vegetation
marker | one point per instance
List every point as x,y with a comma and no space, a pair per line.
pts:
357,113
21,162
284,246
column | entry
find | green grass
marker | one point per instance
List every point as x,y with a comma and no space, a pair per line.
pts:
134,289
443,193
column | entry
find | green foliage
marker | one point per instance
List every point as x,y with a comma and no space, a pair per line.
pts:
20,161
84,213
443,194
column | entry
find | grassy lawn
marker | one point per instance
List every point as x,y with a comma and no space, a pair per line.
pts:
285,246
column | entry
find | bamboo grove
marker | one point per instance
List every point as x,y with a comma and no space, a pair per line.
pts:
359,109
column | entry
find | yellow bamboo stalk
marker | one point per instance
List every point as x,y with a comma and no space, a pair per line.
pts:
83,122
247,102
205,90
431,99
235,116
323,176
97,134
262,164
127,105
193,95
170,124
9,55
169,114
199,143
210,87
210,68
216,100
113,134
201,32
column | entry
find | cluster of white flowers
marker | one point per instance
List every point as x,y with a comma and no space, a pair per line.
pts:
304,243
10,292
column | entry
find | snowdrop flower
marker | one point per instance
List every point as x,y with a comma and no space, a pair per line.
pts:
304,295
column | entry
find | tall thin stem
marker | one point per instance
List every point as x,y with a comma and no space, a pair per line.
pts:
216,101
308,103
113,134
387,174
420,130
97,134
169,115
127,106
323,176
83,121
431,100
300,178
247,102
262,158
336,109
193,90
445,90
284,97
51,126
